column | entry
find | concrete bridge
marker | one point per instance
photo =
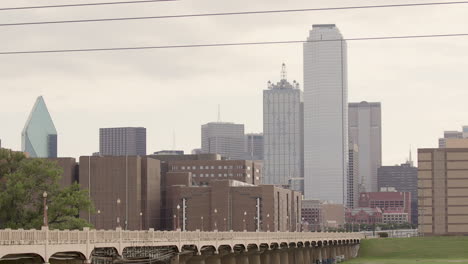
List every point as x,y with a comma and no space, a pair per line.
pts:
187,247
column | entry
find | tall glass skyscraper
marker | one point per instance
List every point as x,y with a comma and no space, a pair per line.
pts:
282,128
325,115
227,139
39,136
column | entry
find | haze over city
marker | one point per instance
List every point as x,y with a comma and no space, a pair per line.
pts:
177,90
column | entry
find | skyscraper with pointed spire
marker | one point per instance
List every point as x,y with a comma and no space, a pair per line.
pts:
39,136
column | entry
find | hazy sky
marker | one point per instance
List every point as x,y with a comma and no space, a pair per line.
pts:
420,83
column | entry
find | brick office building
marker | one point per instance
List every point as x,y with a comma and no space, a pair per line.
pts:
364,215
387,201
229,205
133,180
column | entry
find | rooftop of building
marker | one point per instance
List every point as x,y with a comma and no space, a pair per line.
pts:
388,196
324,26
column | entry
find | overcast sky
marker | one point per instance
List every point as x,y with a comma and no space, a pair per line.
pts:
421,83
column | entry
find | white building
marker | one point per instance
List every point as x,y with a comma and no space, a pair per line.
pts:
365,130
227,139
325,115
282,128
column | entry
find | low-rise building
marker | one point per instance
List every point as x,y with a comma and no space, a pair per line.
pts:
364,215
395,217
387,201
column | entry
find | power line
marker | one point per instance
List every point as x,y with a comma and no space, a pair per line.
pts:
228,44
80,5
228,13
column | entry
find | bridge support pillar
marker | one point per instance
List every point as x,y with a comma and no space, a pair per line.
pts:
228,259
333,253
324,255
215,259
292,255
299,255
306,254
275,257
265,257
242,258
197,260
254,257
284,256
318,254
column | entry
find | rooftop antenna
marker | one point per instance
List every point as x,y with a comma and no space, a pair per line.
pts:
283,72
410,158
219,113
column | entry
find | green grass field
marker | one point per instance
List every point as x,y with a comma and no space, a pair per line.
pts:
421,250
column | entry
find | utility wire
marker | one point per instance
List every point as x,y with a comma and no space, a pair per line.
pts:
80,5
227,44
228,13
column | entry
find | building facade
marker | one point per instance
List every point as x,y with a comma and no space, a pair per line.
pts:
122,141
387,201
404,178
226,205
227,139
125,191
283,131
325,115
365,130
312,214
364,215
443,191
353,176
39,136
254,146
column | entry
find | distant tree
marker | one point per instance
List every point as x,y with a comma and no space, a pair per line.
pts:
23,182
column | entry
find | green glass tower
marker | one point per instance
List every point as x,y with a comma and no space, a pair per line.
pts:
39,136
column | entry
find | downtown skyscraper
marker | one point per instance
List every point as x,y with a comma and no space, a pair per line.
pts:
122,141
39,136
325,115
283,133
227,139
365,130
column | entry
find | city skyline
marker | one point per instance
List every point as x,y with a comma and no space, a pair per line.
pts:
376,73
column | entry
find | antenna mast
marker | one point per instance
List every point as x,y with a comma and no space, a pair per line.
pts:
219,113
283,72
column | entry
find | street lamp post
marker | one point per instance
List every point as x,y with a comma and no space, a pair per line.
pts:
177,220
201,217
98,218
245,226
46,221
268,222
118,212
141,220
225,224
215,219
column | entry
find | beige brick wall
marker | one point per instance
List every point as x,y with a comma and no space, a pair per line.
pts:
427,219
425,201
458,219
425,192
457,210
457,201
457,155
427,228
424,183
457,183
458,228
424,156
424,174
457,165
457,192
457,174
425,165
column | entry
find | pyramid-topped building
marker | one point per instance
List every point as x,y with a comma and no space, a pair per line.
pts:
39,136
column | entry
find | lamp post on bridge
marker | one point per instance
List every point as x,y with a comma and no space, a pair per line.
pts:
141,220
177,218
268,222
245,226
98,218
118,213
225,224
201,217
215,219
46,220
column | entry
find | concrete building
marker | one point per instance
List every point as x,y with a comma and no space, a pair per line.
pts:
333,215
227,139
395,217
365,130
404,178
449,134
364,215
312,214
325,115
70,169
254,146
443,191
39,136
226,205
387,201
122,141
205,171
283,131
353,176
121,188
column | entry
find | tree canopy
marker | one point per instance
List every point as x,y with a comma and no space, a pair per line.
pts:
22,184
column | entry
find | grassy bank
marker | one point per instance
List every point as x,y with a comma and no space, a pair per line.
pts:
422,250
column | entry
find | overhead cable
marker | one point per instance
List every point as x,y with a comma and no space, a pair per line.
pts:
228,13
228,44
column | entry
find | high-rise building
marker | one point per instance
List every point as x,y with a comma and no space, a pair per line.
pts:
365,130
443,190
122,141
227,139
449,134
39,136
283,132
325,115
404,178
254,146
353,176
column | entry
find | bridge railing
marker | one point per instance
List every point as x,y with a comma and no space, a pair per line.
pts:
40,237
